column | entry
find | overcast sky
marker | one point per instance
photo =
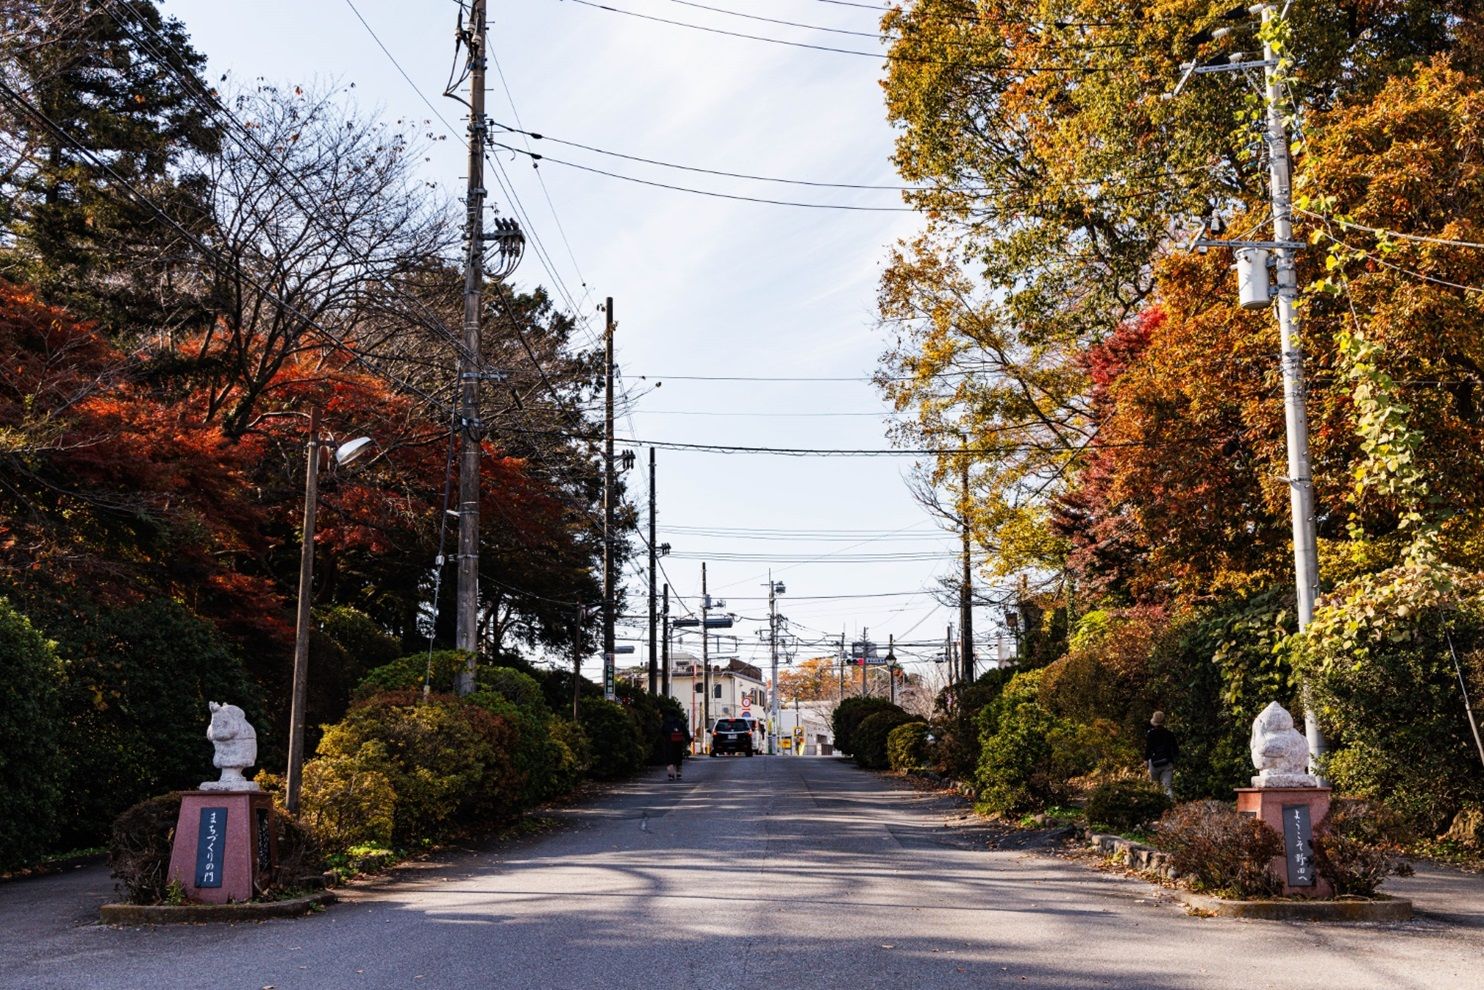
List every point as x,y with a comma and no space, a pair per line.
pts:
703,287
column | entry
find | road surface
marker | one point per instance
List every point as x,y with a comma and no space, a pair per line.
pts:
757,874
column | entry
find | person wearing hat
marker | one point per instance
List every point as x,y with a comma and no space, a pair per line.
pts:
1160,752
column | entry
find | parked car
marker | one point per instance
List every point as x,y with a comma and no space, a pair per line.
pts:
731,735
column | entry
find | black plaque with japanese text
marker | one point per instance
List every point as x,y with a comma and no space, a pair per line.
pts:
1298,845
211,844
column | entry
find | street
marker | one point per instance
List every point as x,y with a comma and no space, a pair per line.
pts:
749,873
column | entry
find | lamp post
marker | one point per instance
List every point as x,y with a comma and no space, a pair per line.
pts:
314,451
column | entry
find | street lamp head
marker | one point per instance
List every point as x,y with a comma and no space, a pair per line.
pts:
351,450
778,588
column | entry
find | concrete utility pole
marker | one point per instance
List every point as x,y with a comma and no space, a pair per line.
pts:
609,503
773,653
966,588
1300,480
653,556
471,431
865,656
891,665
705,655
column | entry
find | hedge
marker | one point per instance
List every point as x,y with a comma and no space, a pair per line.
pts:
30,738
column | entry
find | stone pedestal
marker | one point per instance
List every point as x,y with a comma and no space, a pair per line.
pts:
1292,812
226,845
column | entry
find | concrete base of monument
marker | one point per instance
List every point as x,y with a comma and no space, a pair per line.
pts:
1292,812
226,846
166,914
1300,909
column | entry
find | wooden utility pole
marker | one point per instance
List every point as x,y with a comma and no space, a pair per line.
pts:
665,641
966,589
577,659
471,431
301,630
610,484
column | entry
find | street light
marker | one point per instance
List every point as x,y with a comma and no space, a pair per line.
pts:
344,455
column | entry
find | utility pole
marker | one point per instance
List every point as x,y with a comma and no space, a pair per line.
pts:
576,659
1254,293
609,499
301,630
653,554
665,650
842,665
966,589
773,654
865,656
705,655
891,666
471,431
1300,481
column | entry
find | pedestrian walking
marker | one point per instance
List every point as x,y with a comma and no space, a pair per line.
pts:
675,736
1160,752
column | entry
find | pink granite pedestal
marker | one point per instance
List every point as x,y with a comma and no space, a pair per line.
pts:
225,845
1269,805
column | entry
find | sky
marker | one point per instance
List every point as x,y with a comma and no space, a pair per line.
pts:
704,288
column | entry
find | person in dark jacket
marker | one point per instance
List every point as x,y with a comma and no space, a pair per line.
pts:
1160,752
676,738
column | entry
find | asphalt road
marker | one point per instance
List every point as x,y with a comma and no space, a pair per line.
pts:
755,874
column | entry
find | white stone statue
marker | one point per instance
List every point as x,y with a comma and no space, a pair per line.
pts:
236,748
1279,751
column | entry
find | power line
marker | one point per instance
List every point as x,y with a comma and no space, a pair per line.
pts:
709,171
883,56
538,157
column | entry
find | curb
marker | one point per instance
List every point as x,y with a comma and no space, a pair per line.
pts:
1134,855
1392,909
167,914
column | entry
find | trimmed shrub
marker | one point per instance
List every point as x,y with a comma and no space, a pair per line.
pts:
617,749
1358,845
346,800
30,740
139,847
367,645
1126,803
871,735
136,683
449,762
1221,851
521,690
849,714
408,673
907,746
1015,760
574,753
957,751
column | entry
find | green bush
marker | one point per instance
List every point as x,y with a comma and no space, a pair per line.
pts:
849,714
1125,803
1468,828
574,753
139,846
1221,851
1379,661
30,740
907,746
521,690
409,672
1017,769
1358,845
347,800
137,681
957,751
448,761
359,636
871,735
617,749
536,755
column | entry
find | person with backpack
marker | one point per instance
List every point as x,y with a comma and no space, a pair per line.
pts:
1160,752
675,736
